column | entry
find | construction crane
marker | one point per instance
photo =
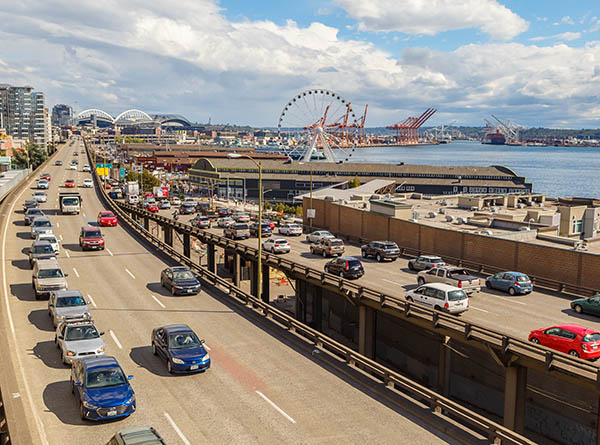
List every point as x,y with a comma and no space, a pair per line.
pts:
510,130
407,132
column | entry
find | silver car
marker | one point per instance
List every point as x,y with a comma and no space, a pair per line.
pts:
31,213
39,225
277,245
51,238
40,196
317,236
225,222
78,339
68,305
47,277
290,230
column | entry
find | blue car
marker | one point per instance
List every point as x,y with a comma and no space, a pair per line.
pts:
101,388
511,282
179,346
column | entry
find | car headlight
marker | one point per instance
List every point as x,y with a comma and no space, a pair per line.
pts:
100,350
206,358
89,405
70,353
87,315
130,400
61,317
177,360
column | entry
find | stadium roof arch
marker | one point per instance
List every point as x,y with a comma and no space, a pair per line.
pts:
87,114
172,119
133,115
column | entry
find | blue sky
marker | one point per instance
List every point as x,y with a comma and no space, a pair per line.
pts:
534,62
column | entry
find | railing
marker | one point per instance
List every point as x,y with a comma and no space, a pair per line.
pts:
389,378
549,359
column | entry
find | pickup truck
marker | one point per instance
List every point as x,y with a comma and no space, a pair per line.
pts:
454,276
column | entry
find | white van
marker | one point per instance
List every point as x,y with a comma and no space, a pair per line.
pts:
440,296
133,199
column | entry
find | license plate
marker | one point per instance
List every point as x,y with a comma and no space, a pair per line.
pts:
595,347
194,367
112,413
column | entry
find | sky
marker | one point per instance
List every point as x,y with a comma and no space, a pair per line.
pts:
535,62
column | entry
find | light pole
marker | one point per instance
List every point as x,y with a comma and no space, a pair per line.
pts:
310,198
259,165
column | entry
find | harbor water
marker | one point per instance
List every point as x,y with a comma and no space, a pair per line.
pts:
554,171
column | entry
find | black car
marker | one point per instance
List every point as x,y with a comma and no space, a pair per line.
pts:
180,280
381,250
187,209
266,230
30,203
346,267
31,213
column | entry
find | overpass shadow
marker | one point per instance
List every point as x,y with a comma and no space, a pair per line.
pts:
39,318
23,291
49,354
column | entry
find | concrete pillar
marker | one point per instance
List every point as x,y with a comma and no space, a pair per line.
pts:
146,223
317,309
168,232
300,307
254,278
366,331
186,244
515,388
210,257
443,380
266,283
237,269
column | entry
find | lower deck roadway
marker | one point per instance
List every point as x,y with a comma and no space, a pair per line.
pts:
258,390
514,315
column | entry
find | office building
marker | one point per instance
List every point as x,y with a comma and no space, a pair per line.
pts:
23,114
62,115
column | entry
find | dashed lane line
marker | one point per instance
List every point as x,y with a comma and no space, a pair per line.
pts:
91,300
114,337
132,275
177,430
158,301
76,273
108,250
279,410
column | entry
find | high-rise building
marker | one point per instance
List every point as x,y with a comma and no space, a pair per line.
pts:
22,113
62,115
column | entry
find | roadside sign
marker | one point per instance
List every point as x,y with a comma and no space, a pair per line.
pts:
122,172
311,213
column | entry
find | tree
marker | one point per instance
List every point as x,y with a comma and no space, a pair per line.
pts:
149,181
32,154
354,183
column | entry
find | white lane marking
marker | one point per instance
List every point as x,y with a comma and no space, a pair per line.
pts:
38,422
507,299
393,282
282,412
114,337
91,300
177,430
477,309
67,254
76,273
158,301
132,275
206,347
57,225
84,215
108,250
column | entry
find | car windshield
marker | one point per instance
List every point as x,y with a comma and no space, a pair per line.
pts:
390,246
183,275
456,295
74,333
336,243
101,378
182,341
294,226
50,273
241,227
43,249
436,260
92,233
591,338
107,215
70,201
522,278
353,263
42,223
50,240
34,211
70,301
280,241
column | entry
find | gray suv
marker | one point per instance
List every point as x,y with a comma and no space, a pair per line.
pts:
78,339
237,230
47,277
32,213
68,305
380,250
41,224
40,250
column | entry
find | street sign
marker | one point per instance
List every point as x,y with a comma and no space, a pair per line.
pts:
122,172
102,165
311,213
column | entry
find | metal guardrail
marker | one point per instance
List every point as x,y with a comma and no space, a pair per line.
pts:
548,358
7,185
391,379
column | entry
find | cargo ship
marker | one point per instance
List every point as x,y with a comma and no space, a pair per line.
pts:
496,138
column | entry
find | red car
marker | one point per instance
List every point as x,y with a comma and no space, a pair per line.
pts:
107,187
148,195
70,183
107,218
152,207
46,176
270,223
91,238
571,339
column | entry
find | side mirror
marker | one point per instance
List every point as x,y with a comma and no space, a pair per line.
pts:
77,383
61,337
50,304
66,275
102,332
129,377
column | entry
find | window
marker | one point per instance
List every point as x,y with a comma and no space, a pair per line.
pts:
577,225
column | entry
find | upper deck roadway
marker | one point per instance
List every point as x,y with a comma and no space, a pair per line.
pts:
259,389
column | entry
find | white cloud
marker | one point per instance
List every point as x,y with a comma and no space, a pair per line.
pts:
596,26
431,17
567,20
562,36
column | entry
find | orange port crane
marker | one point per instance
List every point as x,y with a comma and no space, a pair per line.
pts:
407,132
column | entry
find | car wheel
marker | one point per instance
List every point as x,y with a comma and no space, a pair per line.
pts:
488,284
81,411
409,299
169,367
324,254
535,340
172,290
394,259
154,349
573,353
511,291
363,253
72,386
421,281
56,342
578,309
379,258
437,308
410,266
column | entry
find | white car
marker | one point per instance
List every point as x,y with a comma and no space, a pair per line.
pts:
277,245
72,167
87,182
86,168
317,236
290,230
40,196
440,296
175,201
43,184
51,238
77,340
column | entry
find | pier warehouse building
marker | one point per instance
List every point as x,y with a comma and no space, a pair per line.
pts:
284,179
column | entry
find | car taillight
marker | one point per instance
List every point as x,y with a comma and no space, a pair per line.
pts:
460,284
329,248
347,266
275,245
479,282
446,305
584,346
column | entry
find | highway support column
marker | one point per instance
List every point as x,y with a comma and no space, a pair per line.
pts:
237,269
266,283
210,258
515,389
366,331
168,231
146,223
444,363
186,245
254,278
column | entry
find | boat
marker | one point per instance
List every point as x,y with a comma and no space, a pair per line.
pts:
496,138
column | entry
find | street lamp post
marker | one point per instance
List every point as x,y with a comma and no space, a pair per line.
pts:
259,165
310,196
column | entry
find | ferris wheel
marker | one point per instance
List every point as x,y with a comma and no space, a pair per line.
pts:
318,121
